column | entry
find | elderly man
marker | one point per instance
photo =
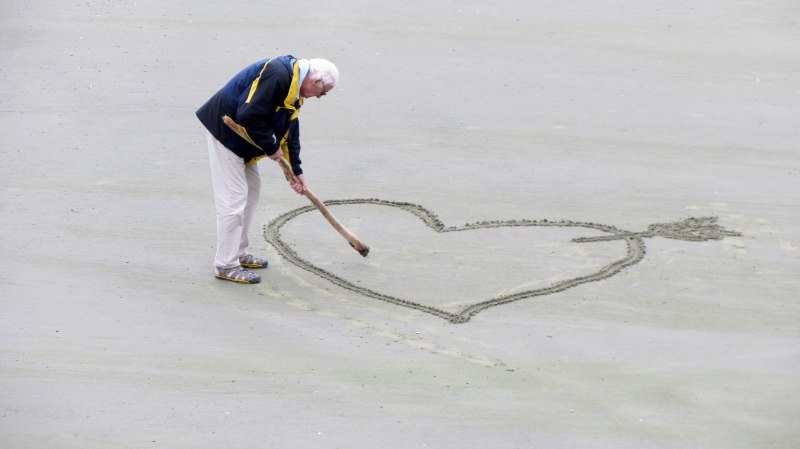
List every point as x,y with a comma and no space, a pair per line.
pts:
265,99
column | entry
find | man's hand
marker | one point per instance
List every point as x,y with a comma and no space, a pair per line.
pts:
299,187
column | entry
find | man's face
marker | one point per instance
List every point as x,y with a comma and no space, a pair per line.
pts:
313,88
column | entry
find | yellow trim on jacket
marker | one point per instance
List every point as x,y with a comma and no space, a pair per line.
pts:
254,86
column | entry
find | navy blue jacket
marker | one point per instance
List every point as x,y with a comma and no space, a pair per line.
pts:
263,98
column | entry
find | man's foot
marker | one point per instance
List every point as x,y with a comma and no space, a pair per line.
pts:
237,274
251,261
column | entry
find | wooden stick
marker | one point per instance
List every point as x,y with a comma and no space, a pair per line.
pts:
287,171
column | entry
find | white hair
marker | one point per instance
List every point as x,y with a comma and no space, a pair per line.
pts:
324,70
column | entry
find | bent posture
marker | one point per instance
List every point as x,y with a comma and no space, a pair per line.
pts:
265,99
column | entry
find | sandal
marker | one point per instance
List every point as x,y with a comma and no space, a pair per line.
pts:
251,261
237,274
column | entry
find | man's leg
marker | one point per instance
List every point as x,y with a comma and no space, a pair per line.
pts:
230,197
253,179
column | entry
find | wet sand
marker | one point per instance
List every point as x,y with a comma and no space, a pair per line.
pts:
586,324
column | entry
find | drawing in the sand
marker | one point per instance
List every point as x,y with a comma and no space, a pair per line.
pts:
691,229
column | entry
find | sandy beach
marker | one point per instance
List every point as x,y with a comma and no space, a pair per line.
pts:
470,145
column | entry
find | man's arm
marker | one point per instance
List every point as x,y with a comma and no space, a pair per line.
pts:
293,144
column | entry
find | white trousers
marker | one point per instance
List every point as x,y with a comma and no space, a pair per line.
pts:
237,189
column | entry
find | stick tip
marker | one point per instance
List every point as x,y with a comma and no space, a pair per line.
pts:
364,249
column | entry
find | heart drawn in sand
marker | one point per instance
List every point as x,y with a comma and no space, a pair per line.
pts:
691,229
